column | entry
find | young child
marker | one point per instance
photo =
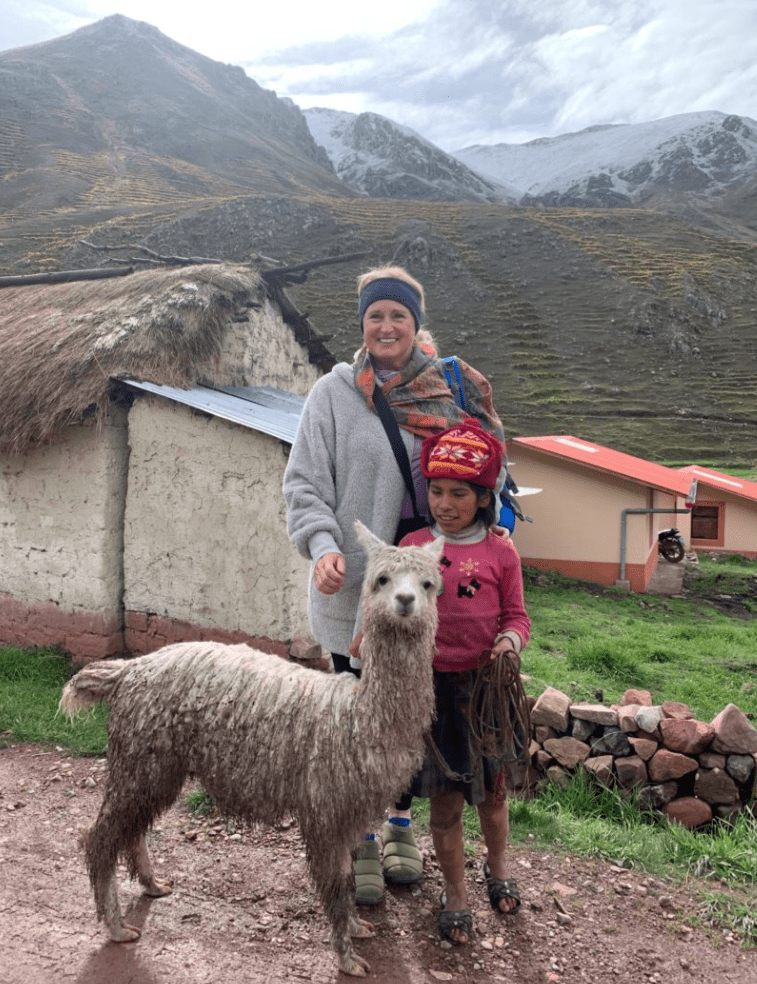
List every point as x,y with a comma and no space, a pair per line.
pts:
481,619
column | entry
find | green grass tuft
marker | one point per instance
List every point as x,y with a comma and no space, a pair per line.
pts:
31,681
199,802
725,912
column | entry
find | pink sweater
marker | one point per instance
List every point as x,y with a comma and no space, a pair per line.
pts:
482,597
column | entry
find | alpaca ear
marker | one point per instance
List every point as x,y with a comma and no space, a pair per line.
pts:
435,547
368,540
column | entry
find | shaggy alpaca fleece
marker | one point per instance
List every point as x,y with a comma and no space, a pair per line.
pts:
266,737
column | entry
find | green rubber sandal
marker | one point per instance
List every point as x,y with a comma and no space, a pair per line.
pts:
369,879
403,863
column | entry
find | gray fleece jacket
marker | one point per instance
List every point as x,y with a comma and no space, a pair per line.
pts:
341,468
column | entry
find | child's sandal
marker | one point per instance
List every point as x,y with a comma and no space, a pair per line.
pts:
501,888
461,919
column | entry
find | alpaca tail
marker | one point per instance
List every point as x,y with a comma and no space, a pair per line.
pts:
94,683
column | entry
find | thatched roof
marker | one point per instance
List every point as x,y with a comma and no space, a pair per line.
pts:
62,345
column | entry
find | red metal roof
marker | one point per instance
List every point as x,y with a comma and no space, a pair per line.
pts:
722,482
609,461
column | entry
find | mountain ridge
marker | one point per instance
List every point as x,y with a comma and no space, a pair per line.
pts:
121,86
634,327
385,159
704,153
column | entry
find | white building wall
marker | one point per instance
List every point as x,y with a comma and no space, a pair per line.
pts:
740,524
576,516
205,531
263,352
60,518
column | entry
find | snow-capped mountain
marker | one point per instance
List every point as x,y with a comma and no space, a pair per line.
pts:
700,153
384,159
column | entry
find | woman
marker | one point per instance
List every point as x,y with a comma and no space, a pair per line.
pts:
342,468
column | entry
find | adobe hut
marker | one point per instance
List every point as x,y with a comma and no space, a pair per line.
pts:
135,509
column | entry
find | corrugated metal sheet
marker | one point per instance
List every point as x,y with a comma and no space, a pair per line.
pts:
261,408
610,461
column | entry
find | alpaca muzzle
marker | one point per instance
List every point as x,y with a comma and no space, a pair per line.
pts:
405,604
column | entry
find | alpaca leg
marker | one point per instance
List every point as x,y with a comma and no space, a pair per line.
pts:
140,861
345,924
111,834
102,856
119,931
332,874
358,927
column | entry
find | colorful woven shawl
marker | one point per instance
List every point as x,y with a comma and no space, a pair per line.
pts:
420,397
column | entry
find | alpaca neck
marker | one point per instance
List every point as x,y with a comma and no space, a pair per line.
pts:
397,677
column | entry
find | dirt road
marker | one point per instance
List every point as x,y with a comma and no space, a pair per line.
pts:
243,909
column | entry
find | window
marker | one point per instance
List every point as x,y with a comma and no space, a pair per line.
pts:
707,523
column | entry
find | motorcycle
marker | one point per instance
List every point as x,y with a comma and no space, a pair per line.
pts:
670,545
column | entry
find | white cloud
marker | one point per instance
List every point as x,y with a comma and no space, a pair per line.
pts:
460,71
228,31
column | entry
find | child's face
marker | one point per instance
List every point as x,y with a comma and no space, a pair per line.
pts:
453,503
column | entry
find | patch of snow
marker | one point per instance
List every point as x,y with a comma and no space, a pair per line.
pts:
367,150
561,163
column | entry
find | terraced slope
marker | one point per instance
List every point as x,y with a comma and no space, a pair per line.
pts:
625,327
629,327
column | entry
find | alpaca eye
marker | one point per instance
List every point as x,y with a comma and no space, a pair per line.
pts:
427,585
381,581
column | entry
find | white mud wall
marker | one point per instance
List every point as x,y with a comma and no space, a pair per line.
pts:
61,510
205,530
263,352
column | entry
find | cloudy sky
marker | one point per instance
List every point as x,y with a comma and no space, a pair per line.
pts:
459,71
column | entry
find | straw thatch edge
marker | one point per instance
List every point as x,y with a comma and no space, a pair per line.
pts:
63,345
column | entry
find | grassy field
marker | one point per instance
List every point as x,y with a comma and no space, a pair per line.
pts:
31,681
593,643
701,649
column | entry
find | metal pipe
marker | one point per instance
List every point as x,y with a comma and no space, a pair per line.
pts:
623,530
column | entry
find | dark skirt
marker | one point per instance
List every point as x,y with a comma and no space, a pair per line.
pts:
456,764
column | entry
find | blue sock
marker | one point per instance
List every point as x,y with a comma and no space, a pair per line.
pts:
400,821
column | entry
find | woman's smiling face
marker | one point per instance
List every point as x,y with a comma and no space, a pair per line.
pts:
389,333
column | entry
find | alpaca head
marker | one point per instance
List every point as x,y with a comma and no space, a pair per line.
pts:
401,583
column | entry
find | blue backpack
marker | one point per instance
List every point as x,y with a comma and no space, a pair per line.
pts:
509,506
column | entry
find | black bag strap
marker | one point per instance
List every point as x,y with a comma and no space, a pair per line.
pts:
398,447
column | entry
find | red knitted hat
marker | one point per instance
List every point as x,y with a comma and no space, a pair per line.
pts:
466,452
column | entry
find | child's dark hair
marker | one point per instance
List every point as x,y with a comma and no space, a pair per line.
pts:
488,514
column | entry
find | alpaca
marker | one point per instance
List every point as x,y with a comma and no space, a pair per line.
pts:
266,737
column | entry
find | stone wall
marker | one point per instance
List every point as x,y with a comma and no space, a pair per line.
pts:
690,770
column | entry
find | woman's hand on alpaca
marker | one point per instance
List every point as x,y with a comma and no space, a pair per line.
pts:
328,573
354,649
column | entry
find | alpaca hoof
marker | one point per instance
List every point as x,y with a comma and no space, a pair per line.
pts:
361,928
354,965
158,889
123,933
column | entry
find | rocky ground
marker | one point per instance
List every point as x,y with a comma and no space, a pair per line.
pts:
243,909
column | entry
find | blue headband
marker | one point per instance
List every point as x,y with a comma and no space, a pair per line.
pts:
390,289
